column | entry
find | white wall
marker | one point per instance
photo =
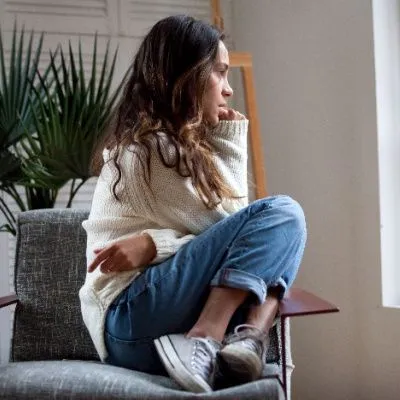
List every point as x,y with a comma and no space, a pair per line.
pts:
314,71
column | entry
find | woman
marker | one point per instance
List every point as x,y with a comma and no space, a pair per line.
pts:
180,268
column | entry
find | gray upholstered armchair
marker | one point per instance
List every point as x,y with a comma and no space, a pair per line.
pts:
52,356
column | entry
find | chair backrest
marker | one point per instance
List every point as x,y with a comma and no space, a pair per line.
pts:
50,268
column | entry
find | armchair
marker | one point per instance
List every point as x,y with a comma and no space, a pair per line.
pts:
52,356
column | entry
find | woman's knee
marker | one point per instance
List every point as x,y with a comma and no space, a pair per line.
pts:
293,210
289,212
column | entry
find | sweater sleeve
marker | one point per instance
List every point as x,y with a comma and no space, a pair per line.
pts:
229,141
167,242
150,204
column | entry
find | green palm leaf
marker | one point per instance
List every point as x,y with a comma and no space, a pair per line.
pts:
17,76
70,119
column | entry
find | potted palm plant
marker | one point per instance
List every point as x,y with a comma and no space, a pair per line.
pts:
59,115
16,87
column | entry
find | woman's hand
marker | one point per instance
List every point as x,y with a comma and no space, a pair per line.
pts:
229,114
125,255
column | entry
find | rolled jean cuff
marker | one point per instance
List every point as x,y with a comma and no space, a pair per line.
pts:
283,286
238,279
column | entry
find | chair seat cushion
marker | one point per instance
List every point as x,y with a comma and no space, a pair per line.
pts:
94,380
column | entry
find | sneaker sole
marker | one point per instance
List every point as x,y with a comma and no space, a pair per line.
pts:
246,365
176,369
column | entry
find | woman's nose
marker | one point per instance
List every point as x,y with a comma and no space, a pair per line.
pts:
227,90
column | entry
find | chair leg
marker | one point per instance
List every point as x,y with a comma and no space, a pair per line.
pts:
283,355
281,350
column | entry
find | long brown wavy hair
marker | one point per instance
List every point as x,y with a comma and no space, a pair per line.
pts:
164,93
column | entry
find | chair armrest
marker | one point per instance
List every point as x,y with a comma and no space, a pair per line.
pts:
298,302
7,300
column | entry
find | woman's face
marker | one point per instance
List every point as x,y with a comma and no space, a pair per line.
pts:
218,88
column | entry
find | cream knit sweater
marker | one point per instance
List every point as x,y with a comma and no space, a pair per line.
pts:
172,215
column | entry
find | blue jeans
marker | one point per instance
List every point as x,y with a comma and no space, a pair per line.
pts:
254,249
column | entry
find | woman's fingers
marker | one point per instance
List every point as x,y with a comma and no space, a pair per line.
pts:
101,256
240,115
115,263
229,114
124,255
223,114
107,265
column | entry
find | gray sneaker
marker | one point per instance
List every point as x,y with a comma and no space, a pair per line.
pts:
189,361
244,353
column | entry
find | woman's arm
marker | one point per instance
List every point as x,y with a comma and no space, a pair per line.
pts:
229,141
136,251
126,234
167,242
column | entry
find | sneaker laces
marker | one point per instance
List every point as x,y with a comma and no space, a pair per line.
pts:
203,357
